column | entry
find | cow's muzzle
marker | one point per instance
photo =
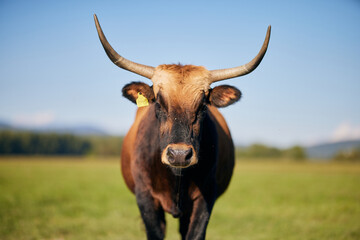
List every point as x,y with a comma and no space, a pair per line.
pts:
179,155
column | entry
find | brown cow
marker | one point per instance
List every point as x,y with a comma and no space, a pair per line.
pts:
178,156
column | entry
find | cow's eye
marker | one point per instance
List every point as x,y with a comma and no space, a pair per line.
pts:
159,111
202,109
200,113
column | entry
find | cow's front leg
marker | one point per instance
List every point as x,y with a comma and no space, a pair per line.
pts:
198,220
152,215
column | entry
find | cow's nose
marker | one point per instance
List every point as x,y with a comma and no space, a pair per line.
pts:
179,156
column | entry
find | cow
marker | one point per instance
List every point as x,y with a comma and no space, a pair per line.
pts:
178,156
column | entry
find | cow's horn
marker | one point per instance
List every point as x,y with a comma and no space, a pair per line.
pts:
143,70
222,74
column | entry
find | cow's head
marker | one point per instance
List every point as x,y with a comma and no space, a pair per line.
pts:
180,96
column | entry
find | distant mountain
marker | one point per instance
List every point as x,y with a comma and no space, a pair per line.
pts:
327,150
4,125
58,128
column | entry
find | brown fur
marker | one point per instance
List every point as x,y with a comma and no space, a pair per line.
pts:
226,150
178,82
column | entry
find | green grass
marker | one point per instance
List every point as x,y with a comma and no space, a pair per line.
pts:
74,198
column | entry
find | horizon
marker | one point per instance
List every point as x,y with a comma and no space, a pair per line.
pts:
92,130
53,69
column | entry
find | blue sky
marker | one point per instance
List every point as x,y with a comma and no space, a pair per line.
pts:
53,69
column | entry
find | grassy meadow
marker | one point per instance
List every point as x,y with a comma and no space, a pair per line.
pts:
56,198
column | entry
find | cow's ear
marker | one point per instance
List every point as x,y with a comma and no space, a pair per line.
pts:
224,95
131,91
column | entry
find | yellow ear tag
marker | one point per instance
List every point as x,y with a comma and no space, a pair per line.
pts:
142,101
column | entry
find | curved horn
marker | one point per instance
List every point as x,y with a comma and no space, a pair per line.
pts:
222,74
143,70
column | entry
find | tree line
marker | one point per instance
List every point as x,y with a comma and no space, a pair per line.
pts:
348,155
263,151
36,143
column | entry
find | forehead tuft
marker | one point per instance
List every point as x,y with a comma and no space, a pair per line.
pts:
176,78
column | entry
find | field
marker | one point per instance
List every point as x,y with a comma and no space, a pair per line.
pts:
78,198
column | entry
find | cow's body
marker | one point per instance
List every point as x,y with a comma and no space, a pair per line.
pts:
178,156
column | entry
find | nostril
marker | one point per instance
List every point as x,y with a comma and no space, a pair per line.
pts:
170,155
189,154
